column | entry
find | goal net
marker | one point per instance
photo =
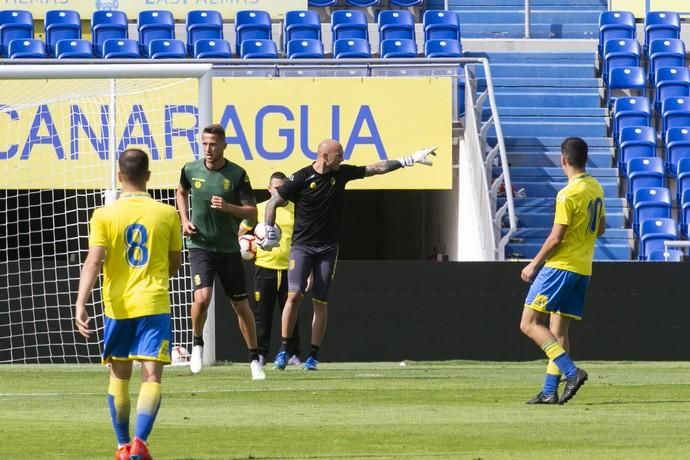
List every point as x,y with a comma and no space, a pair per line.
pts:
61,129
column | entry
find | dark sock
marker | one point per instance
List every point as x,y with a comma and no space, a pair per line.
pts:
253,354
198,340
284,344
314,351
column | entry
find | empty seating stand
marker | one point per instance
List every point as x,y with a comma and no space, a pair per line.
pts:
14,24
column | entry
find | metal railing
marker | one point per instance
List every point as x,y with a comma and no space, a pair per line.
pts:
492,156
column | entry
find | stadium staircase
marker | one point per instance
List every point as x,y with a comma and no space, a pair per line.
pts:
505,18
544,97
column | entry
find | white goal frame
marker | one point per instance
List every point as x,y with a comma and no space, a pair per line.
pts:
113,71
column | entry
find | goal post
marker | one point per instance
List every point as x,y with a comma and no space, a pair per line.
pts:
61,128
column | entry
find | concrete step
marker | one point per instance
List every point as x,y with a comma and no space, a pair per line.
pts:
543,219
549,141
530,70
602,5
549,99
555,82
538,16
550,202
537,57
543,232
574,112
550,31
544,127
601,252
544,188
526,89
596,160
556,174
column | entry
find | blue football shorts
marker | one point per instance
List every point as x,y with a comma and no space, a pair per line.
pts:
558,291
147,338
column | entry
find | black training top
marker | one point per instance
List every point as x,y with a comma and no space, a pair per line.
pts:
318,202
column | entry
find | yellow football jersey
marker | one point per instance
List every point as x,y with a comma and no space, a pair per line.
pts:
579,205
277,258
138,233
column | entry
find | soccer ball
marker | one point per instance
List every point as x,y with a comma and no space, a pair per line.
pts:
247,246
179,354
260,232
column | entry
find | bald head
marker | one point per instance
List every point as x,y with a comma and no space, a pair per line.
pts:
329,155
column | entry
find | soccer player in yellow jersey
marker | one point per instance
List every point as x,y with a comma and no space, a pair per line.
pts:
558,292
270,275
138,242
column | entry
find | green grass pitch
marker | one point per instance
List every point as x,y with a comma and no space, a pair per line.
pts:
436,410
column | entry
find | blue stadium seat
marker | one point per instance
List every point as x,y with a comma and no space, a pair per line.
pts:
630,111
106,25
439,48
259,49
625,78
251,25
401,48
672,255
14,24
645,172
660,25
301,24
635,142
682,178
671,82
395,24
153,25
26,48
441,24
305,48
653,233
212,49
73,49
615,24
677,147
349,24
203,24
650,203
351,48
685,213
322,3
121,48
675,112
668,52
59,25
162,48
621,52
362,3
406,3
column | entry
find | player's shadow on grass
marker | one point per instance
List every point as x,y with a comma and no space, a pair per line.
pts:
622,403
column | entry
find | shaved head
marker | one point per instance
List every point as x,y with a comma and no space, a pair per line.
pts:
329,155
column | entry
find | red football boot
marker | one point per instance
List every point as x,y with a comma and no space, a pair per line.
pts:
122,453
139,450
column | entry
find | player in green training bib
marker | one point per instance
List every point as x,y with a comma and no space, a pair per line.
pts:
221,198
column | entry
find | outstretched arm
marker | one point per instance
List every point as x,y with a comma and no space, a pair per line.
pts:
386,166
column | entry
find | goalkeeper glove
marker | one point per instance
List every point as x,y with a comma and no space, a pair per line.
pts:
420,156
270,239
